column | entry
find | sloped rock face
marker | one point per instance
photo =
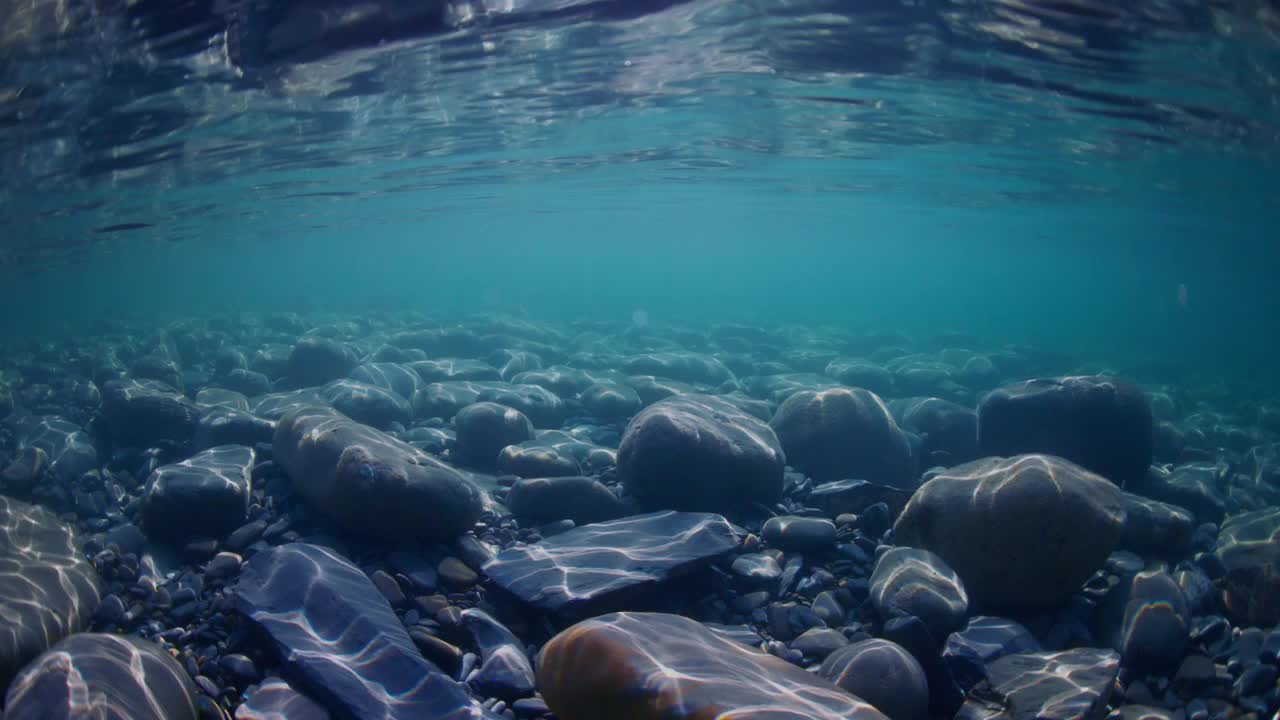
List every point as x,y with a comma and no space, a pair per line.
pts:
611,565
335,632
47,589
653,666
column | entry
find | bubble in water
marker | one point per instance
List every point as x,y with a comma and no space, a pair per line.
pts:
1182,294
640,318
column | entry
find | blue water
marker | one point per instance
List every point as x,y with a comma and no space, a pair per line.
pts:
1035,172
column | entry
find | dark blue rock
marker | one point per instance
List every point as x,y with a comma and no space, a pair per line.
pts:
855,496
107,677
918,583
249,382
1145,617
336,634
803,534
610,400
505,671
389,376
1101,423
612,565
317,360
583,500
948,432
968,651
143,412
70,450
544,408
225,426
882,673
698,452
206,495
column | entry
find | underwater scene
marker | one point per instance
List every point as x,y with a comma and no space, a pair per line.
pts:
639,359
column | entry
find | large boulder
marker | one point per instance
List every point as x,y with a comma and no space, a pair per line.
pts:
368,404
206,495
337,636
625,564
371,483
698,452
653,666
842,433
1022,532
47,589
104,677
1249,548
1100,423
143,412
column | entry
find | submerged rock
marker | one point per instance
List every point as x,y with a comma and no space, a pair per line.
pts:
143,412
1249,548
1028,686
47,589
317,360
653,666
336,634
70,450
613,565
580,499
983,640
371,483
368,404
918,583
276,700
1022,532
841,433
698,452
882,673
105,677
1102,424
205,495
485,428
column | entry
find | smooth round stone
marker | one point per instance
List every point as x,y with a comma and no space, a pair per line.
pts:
882,673
447,656
819,642
206,495
485,428
536,462
1146,618
143,412
1023,532
804,534
1249,548
25,470
968,651
317,360
608,400
455,573
368,404
108,677
756,568
700,453
653,666
222,566
841,433
274,699
948,432
918,583
239,667
583,500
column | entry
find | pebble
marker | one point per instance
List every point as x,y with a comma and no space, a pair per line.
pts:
208,687
756,568
819,642
223,565
239,667
444,654
455,573
389,588
245,535
804,534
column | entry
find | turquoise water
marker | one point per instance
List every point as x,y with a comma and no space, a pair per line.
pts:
919,168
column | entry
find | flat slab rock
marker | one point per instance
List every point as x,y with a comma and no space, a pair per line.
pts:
654,666
608,565
1073,684
47,589
340,640
105,677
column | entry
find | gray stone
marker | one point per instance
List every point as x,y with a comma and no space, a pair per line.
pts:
908,581
882,673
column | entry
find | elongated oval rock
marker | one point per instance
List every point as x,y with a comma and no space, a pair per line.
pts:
611,565
371,483
339,638
654,666
47,590
104,677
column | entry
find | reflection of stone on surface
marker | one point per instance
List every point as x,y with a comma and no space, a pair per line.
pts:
105,677
653,666
47,590
610,565
1249,546
340,640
